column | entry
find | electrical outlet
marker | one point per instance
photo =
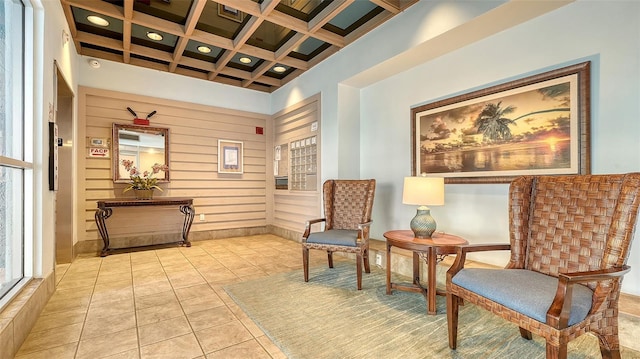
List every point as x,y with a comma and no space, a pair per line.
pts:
379,259
201,216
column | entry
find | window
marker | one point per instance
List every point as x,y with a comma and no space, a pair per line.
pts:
15,169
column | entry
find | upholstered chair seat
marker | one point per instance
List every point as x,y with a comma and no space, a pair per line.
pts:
512,288
337,237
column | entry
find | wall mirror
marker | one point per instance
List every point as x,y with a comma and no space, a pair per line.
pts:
143,145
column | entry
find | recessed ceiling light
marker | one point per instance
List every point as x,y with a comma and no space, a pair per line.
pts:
245,60
279,69
204,49
97,20
154,36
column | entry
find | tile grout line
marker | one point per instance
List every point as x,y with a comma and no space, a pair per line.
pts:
181,307
173,289
86,313
135,310
253,337
216,293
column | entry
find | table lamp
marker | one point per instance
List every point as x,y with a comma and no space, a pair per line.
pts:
423,191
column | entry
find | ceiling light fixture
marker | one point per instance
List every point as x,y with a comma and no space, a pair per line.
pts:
97,20
204,49
245,60
279,69
154,36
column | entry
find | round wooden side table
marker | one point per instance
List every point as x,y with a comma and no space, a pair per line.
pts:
440,244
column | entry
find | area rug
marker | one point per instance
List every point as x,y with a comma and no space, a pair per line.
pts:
328,318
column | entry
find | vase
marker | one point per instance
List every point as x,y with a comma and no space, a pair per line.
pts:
423,225
144,193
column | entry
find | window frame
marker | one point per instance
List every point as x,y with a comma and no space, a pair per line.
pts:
25,160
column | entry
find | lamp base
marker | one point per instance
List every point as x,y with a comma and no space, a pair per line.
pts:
423,225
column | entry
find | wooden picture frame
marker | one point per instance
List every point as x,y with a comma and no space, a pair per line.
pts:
532,126
230,13
144,145
230,157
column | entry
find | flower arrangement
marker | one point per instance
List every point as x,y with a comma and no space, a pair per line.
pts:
144,180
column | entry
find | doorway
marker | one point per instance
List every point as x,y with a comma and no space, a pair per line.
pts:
64,195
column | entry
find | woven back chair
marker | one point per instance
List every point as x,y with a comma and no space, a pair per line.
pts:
569,241
347,210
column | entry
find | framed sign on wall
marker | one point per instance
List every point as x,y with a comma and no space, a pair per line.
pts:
230,157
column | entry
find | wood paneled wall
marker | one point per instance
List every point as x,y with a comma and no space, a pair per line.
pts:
291,209
228,201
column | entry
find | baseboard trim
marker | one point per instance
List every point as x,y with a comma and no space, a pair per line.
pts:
122,243
20,315
629,304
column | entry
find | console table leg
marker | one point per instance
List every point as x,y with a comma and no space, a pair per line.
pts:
101,215
189,213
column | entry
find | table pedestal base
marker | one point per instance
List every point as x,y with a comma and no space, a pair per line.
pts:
416,286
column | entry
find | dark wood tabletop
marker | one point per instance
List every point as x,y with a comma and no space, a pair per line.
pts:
132,202
406,240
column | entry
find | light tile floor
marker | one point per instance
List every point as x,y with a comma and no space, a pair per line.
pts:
170,303
162,303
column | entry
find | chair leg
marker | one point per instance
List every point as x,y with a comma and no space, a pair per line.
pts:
359,270
305,263
610,354
452,319
330,258
556,352
609,344
525,334
365,256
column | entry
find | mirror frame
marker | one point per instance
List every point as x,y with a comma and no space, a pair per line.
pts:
143,129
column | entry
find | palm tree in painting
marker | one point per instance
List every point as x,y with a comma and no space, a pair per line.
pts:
493,124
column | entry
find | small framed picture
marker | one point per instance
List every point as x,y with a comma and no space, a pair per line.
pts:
230,157
230,13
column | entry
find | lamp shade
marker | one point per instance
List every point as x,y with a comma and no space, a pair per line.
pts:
423,191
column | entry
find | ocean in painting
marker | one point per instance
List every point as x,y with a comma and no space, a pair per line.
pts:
538,155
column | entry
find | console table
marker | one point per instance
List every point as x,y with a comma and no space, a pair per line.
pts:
105,209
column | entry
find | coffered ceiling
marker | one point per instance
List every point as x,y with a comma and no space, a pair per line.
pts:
255,44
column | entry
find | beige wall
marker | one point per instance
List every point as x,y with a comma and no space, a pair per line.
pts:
291,209
228,201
